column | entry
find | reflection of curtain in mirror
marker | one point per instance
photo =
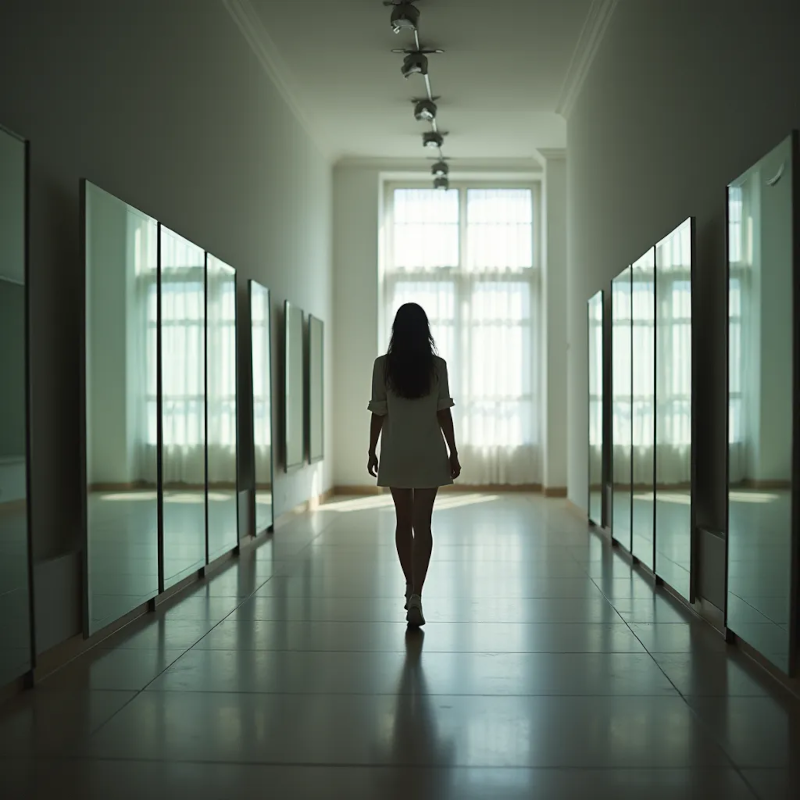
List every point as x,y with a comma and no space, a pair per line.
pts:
674,360
221,377
142,258
262,419
643,355
621,410
467,257
740,255
595,392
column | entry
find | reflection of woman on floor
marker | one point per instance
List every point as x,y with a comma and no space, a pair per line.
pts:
411,407
413,738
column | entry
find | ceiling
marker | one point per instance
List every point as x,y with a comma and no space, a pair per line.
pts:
501,80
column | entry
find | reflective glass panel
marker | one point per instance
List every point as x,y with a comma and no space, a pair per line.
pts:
621,423
674,408
262,404
15,631
643,303
595,311
223,532
183,405
121,247
761,334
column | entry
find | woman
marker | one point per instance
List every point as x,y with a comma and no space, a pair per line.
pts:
411,406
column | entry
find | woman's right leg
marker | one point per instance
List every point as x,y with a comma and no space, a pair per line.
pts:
404,510
423,538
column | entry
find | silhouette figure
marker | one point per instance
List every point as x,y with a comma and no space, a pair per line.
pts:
411,415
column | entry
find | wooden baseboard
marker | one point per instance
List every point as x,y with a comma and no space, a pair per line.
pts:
366,491
762,486
136,486
555,491
576,510
308,505
481,488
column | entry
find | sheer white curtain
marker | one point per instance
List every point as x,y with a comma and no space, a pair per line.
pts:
467,257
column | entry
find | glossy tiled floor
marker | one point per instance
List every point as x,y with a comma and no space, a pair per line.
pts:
546,670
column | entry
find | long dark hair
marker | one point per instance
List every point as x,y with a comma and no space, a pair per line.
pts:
409,361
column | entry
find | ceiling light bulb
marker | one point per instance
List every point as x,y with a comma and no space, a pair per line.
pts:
425,111
414,64
432,139
441,183
440,169
404,17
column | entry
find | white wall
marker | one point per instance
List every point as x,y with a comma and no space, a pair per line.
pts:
356,210
681,99
165,106
554,314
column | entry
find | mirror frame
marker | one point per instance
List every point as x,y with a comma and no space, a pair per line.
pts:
27,675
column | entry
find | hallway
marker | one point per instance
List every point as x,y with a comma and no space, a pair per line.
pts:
547,669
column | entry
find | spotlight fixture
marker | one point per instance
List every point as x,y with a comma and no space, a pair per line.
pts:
425,110
440,169
414,64
405,17
432,139
441,183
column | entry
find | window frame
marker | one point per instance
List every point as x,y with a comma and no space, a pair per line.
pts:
461,275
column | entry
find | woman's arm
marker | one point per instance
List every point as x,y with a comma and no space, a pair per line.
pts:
446,424
375,425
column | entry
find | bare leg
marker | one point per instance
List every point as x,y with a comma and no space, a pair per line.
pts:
404,506
423,539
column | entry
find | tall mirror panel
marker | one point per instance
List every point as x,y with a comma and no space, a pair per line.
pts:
621,425
183,406
760,413
643,302
294,388
674,267
121,459
15,629
223,529
595,320
262,404
316,399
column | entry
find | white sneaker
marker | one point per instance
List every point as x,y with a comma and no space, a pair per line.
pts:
414,616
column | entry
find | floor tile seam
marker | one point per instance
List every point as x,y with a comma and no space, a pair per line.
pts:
668,695
707,729
402,651
64,760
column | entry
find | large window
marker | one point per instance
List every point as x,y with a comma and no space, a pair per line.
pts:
468,257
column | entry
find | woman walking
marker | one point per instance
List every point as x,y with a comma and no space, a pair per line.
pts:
411,409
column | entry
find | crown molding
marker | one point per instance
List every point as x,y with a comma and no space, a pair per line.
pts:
594,30
261,43
553,153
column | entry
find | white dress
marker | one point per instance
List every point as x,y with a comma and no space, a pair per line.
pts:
413,450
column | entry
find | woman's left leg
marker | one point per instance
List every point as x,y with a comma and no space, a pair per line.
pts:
404,506
423,538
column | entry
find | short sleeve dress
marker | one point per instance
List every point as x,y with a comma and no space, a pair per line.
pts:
413,450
